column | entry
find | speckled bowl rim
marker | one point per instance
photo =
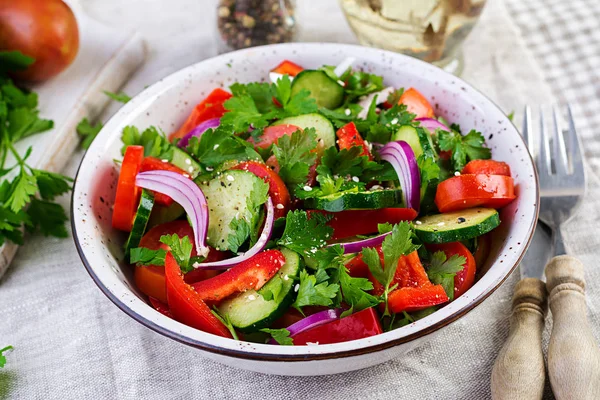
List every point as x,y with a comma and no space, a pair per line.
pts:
260,352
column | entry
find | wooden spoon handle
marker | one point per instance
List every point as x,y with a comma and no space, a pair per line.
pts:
573,354
519,372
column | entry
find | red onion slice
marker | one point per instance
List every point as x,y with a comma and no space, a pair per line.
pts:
198,131
404,162
257,248
432,124
312,321
185,192
355,247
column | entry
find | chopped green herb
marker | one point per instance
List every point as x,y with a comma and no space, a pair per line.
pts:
121,97
281,336
88,132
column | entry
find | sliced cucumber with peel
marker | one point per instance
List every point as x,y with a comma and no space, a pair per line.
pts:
350,200
323,128
418,139
326,92
184,161
457,225
140,221
250,311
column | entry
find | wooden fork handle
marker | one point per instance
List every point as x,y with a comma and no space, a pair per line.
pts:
519,372
573,354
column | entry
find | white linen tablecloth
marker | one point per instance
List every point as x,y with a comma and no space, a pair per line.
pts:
72,342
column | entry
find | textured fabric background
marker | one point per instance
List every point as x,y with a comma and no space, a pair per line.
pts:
72,342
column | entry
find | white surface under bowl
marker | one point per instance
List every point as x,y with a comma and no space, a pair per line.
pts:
167,103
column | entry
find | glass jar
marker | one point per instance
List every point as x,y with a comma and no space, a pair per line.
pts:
247,23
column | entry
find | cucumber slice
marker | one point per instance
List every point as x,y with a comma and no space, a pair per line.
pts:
456,226
161,214
323,128
139,222
418,139
357,200
227,198
250,311
184,161
326,92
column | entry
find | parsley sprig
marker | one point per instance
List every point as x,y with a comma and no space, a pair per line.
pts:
463,148
3,357
281,336
442,271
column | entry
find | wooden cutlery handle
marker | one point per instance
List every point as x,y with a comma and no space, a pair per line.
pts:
519,372
573,354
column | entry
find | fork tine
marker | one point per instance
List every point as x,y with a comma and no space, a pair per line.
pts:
575,147
528,132
544,163
561,162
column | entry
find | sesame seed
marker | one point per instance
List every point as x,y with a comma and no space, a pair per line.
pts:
297,287
188,161
216,146
209,169
441,224
307,188
312,343
230,178
457,173
164,160
355,179
418,222
394,121
251,297
279,206
286,277
347,112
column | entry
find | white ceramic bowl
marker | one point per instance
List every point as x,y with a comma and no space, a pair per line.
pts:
167,103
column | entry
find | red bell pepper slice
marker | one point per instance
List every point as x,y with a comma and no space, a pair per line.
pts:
150,279
363,222
348,137
128,194
360,325
416,103
277,190
288,67
187,305
464,279
160,307
488,167
154,164
466,191
209,108
416,298
250,274
271,135
410,273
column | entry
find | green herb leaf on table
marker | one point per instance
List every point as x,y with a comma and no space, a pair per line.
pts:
14,61
311,293
442,271
88,132
48,217
144,256
281,336
121,97
3,356
463,148
181,249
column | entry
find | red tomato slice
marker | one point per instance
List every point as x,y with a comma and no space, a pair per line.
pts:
154,164
277,190
150,279
250,274
416,298
466,191
128,194
186,304
360,325
348,137
488,167
465,278
209,108
416,103
363,222
271,134
288,67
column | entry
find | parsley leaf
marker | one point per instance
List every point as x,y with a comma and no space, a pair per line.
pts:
50,184
379,128
240,232
121,97
397,244
303,235
155,143
14,61
354,291
88,132
312,294
145,256
3,357
464,148
49,217
295,155
181,249
281,336
242,227
442,271
23,187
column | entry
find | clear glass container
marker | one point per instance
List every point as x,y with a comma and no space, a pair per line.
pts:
431,30
247,23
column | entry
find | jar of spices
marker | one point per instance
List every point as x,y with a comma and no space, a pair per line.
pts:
247,23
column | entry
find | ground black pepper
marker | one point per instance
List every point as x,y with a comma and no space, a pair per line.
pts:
247,23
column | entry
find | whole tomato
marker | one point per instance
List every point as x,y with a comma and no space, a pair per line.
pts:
43,29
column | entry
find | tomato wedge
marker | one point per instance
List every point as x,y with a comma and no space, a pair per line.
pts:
271,135
416,298
416,103
466,191
360,325
187,305
348,137
209,108
128,194
277,190
350,223
489,167
250,274
150,279
154,164
464,279
288,67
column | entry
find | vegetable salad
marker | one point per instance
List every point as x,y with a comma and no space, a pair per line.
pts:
319,208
